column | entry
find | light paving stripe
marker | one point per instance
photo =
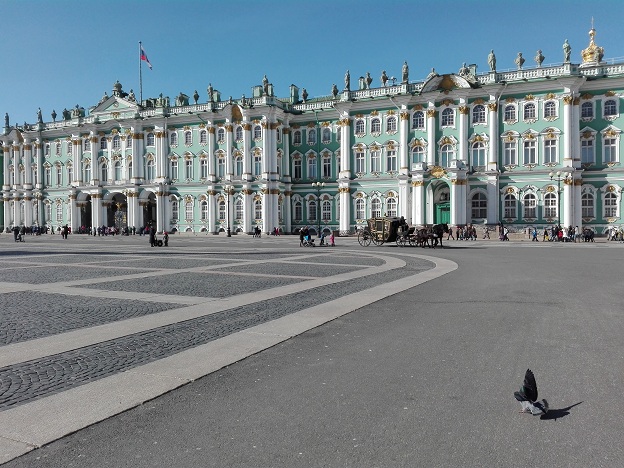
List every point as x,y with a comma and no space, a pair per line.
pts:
42,421
46,346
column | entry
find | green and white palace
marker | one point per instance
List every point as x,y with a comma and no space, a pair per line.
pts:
532,146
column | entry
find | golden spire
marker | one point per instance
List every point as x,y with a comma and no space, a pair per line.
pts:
593,53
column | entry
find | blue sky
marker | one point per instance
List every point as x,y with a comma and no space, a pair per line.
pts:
57,54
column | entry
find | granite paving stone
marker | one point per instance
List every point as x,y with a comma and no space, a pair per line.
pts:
55,274
290,269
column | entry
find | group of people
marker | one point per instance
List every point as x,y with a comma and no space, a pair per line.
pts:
563,234
305,238
468,232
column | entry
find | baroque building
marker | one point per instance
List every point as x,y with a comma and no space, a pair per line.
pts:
529,147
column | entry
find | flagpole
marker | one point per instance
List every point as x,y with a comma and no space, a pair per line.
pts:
140,75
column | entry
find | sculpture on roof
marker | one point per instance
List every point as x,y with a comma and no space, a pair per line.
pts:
347,81
593,53
39,116
405,73
196,96
539,58
464,70
492,61
369,80
384,78
265,85
567,50
66,114
334,90
6,120
53,115
519,61
210,92
104,98
431,74
182,99
304,94
131,96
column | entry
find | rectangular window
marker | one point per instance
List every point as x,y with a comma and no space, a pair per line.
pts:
391,161
610,150
530,155
587,151
510,206
203,168
359,163
297,169
511,158
550,152
326,167
375,161
188,169
221,167
59,175
188,211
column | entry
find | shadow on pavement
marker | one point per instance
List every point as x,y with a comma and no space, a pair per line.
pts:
555,414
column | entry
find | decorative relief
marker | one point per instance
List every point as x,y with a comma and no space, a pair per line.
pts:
447,102
417,107
492,106
464,110
404,115
568,99
417,183
437,171
550,96
390,112
345,190
610,93
374,113
479,101
509,100
529,97
431,113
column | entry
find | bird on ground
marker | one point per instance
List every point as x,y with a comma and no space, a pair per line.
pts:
527,396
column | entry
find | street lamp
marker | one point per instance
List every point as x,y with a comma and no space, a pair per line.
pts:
228,192
318,186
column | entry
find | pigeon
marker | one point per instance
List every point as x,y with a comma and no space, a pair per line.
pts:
527,396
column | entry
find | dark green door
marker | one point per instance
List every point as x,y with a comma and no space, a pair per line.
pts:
442,213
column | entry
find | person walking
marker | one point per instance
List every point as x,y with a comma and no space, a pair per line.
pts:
152,236
534,233
450,234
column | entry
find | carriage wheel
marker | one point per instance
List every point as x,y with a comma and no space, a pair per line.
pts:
377,241
364,238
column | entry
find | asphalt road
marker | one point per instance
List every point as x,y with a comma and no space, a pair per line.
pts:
423,378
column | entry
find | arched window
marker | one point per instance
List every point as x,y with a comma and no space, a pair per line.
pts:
391,124
550,205
391,207
510,206
298,211
150,139
173,139
510,112
529,111
550,110
87,144
238,166
446,155
587,205
59,213
360,209
375,125
279,164
418,154
376,208
221,210
203,137
587,110
326,135
70,148
257,132
448,117
359,127
530,206
610,108
479,206
610,205
311,136
326,210
188,137
174,169
478,114
220,134
188,210
258,210
418,120
238,209
151,170
117,170
297,137
116,142
239,133
312,210
203,206
478,154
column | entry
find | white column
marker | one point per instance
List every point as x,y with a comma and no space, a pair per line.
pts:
111,166
96,210
247,210
403,134
6,201
287,207
27,161
345,208
345,151
463,133
76,160
578,209
228,151
39,162
211,156
75,211
161,212
493,199
212,210
431,144
567,203
404,199
28,209
5,166
494,137
576,139
418,208
95,166
246,151
458,201
161,155
567,156
138,158
286,163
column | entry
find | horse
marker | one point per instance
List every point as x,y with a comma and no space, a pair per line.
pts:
437,232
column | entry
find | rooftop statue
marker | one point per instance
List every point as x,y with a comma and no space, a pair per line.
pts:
304,94
519,61
369,80
6,120
492,61
464,70
539,58
66,114
104,98
182,99
347,81
131,96
334,90
431,74
567,50
265,84
53,115
384,78
39,116
405,73
196,96
210,92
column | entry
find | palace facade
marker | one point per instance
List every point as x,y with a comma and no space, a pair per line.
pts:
528,147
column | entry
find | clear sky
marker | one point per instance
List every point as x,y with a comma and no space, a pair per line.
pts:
60,53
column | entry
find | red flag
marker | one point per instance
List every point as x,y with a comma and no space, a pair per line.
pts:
144,57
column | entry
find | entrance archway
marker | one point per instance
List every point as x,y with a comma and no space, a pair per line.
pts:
117,212
149,211
85,213
442,205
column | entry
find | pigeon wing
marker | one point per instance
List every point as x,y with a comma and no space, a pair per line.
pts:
529,387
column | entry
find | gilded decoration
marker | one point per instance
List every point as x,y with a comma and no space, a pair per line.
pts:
325,124
550,135
568,99
417,183
247,126
568,181
431,113
510,190
390,146
611,133
576,101
417,107
492,106
446,141
311,125
228,128
464,110
509,100
211,130
578,182
611,189
550,189
459,182
374,113
529,136
447,102
592,53
346,190
478,138
437,171
288,193
551,96
390,112
587,96
404,116
479,101
610,93
375,148
274,192
211,192
529,97
417,143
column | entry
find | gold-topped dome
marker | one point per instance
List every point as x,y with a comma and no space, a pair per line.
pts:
593,53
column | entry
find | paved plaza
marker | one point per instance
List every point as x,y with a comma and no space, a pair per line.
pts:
243,352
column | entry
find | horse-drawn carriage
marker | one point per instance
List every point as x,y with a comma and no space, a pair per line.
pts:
383,230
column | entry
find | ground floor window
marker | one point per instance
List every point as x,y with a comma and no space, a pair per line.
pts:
479,205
